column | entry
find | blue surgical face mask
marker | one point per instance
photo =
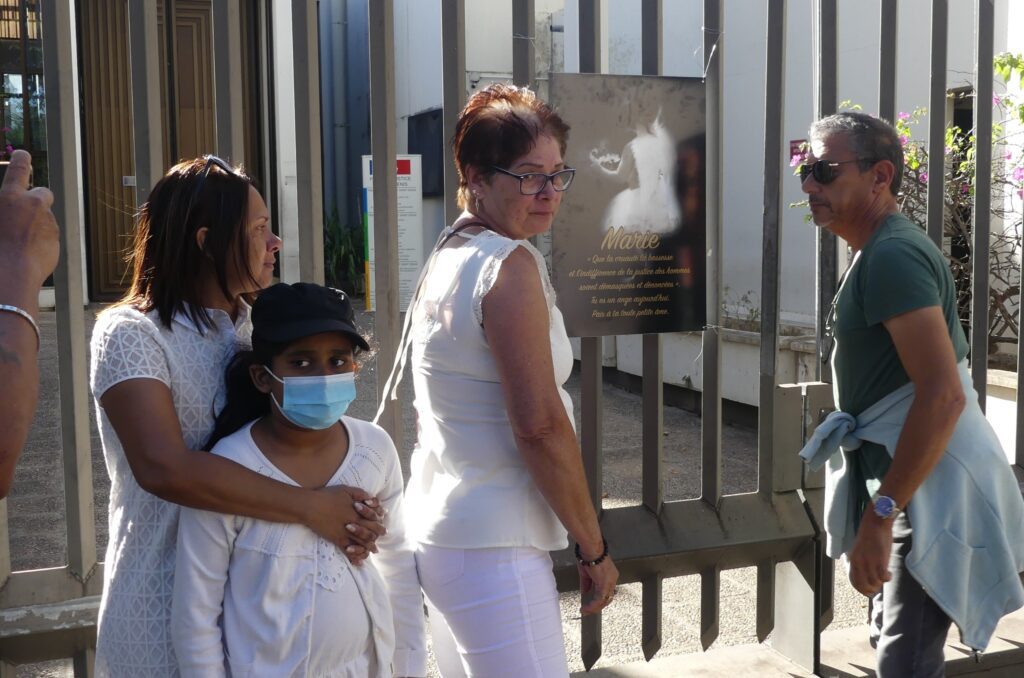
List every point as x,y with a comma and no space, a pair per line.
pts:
316,402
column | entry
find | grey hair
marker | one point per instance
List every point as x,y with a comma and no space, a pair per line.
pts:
871,139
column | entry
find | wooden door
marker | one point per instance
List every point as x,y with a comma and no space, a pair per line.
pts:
107,121
106,143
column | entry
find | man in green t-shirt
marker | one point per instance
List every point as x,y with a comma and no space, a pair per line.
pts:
894,321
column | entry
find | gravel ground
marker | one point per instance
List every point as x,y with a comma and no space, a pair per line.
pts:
37,527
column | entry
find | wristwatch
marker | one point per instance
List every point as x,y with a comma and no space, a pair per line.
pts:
885,507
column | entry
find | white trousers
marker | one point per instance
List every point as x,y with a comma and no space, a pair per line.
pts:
493,612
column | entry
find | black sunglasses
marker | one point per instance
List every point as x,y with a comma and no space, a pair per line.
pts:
211,162
533,183
825,171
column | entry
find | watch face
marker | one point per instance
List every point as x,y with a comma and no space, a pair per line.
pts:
884,506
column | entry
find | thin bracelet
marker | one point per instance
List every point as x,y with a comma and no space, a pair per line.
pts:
27,316
595,561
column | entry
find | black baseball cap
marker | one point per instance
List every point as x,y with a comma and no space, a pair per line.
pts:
284,313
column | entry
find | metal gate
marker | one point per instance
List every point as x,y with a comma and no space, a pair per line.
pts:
52,613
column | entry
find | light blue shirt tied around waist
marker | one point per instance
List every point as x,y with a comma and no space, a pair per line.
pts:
967,516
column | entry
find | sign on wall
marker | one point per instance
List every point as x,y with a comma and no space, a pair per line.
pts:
410,227
628,245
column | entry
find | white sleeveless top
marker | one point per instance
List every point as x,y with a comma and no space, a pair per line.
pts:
468,486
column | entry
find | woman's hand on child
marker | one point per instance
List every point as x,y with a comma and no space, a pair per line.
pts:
348,517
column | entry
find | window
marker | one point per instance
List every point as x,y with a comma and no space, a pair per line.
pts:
22,94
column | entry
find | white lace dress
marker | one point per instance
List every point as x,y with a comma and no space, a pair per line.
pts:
134,636
253,598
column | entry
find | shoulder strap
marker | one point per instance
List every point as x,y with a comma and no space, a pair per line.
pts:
398,367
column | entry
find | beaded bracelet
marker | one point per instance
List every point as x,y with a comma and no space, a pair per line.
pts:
596,561
27,316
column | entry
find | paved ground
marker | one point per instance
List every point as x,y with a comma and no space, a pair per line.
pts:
37,531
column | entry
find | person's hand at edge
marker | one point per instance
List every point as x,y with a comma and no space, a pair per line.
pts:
29,238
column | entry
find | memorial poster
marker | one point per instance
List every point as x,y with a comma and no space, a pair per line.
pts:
628,245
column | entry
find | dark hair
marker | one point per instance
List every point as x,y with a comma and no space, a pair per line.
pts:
499,124
871,139
166,260
243,401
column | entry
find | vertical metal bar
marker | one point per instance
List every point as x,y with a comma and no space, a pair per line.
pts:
523,48
710,611
937,121
825,104
1019,454
267,133
592,445
711,341
775,88
653,399
5,544
825,85
308,160
60,69
84,663
590,36
385,202
453,68
653,391
147,132
227,69
650,46
888,18
650,611
590,354
765,599
981,219
796,634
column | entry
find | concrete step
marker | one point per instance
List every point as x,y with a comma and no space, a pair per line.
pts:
845,653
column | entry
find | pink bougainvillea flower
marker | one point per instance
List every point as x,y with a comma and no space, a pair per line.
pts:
5,130
1018,173
1020,193
996,100
1008,156
904,115
904,139
10,149
924,177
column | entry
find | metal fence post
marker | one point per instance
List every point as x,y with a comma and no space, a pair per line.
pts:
453,69
227,69
385,202
590,352
147,126
937,121
981,218
523,50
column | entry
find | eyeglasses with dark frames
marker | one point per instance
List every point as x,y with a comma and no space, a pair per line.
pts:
533,183
824,171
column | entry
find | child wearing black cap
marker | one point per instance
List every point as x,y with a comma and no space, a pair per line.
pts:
259,598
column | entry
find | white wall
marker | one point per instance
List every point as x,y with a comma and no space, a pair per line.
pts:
742,46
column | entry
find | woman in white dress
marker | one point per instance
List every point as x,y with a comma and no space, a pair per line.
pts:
497,476
203,241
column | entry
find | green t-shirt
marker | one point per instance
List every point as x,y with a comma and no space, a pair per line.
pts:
899,270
